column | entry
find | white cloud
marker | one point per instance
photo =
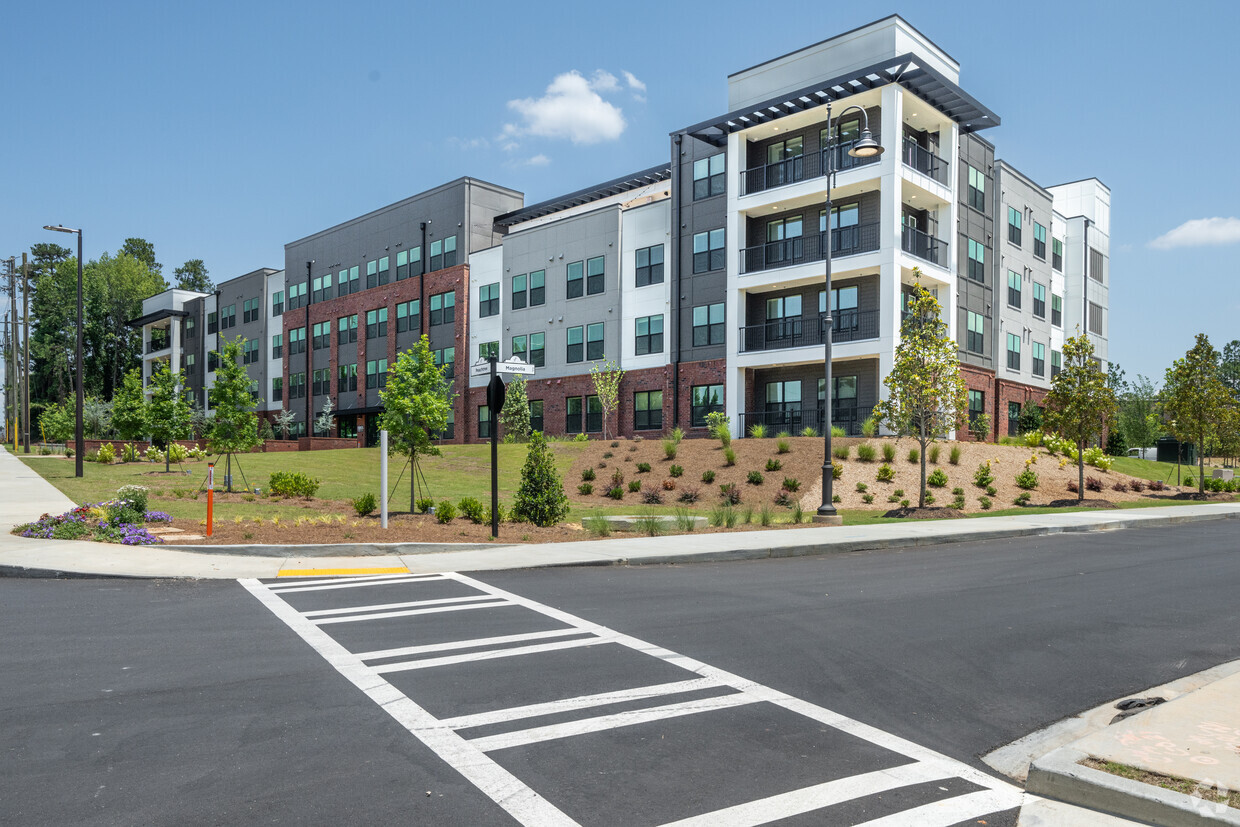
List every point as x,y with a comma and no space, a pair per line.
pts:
538,160
1200,232
604,81
571,108
634,84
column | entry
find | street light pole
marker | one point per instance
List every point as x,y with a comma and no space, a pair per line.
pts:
80,440
864,147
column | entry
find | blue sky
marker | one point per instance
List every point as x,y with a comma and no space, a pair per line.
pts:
223,130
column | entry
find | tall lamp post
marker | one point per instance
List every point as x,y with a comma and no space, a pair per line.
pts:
864,147
81,367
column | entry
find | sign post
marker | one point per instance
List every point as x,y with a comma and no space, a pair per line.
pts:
493,367
210,496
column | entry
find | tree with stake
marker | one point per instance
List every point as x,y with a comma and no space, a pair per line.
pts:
515,417
234,429
1080,403
926,395
416,403
284,419
1197,401
129,407
167,413
607,377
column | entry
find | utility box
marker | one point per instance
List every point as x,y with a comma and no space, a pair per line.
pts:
1169,446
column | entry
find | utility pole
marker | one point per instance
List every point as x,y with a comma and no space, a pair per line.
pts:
15,383
26,352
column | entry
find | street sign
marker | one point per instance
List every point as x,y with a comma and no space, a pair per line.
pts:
515,367
480,368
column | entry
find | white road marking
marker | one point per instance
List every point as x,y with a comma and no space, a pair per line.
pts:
377,607
323,579
356,583
490,654
581,702
808,799
458,607
950,810
630,717
472,643
504,788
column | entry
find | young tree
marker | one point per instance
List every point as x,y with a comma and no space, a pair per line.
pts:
1229,368
607,377
515,417
323,422
540,497
284,419
129,407
234,428
926,395
1080,402
58,422
265,431
1196,401
168,413
96,417
192,275
1137,417
416,402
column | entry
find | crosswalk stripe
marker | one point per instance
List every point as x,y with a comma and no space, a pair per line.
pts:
354,583
951,810
414,604
471,643
490,654
458,607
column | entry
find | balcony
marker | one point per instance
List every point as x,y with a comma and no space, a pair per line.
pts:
792,417
800,168
845,241
924,246
778,334
157,344
926,162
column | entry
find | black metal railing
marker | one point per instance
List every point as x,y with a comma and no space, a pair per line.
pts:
925,161
158,344
845,241
924,245
793,417
776,334
801,168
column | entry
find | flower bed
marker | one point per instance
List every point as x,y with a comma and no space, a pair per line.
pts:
111,521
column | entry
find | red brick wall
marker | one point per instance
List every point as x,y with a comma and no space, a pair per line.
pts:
1007,391
705,372
320,443
977,379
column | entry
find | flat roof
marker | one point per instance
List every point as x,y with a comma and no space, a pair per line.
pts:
624,183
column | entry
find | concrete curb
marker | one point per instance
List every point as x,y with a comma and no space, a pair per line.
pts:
334,549
1059,775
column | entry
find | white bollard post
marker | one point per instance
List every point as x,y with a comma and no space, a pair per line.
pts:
383,478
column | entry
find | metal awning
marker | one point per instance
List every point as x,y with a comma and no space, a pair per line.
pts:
157,316
922,81
653,175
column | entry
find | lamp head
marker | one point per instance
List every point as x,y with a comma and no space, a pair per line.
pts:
866,146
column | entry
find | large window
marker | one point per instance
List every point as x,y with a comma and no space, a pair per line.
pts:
249,352
1038,352
249,312
408,315
649,335
277,346
975,337
536,415
1039,241
376,323
519,294
575,407
228,317
708,176
783,403
1013,351
320,382
977,407
376,373
277,389
1057,310
443,308
1013,296
1039,300
213,324
408,263
277,303
575,281
348,281
977,261
538,349
384,271
977,189
538,287
484,422
443,253
574,340
346,378
783,317
1057,254
704,399
784,161
1014,222
594,341
297,386
708,320
650,265
708,251
297,340
297,295
519,346
320,335
1095,318
346,329
446,357
487,350
595,279
321,288
648,411
1013,419
488,300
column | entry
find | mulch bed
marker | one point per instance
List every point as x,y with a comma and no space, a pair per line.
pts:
930,512
1075,503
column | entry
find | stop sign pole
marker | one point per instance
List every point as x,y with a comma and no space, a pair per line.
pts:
495,403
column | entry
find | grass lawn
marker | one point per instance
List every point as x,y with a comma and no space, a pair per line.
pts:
1150,470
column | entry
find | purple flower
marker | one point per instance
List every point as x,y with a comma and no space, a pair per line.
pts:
157,517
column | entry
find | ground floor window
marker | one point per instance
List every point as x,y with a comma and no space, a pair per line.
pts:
1013,419
583,414
346,426
977,407
648,411
705,399
484,421
536,415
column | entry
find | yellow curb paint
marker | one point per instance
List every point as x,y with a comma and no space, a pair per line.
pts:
316,572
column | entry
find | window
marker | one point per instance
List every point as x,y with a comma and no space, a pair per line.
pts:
784,161
212,323
409,263
538,287
488,300
704,399
277,389
320,382
574,351
536,415
443,253
783,403
487,350
1039,300
648,411
1013,419
189,362
1096,266
346,427
1039,241
519,294
383,270
708,325
538,350
1038,351
443,308
249,311
649,335
402,265
372,274
1013,297
572,415
708,251
346,378
446,358
788,231
977,190
595,280
575,277
228,317
321,288
975,337
1056,363
708,176
977,407
297,386
249,352
650,265
1014,219
376,373
977,261
346,329
783,317
213,360
1057,254
348,281
277,303
519,346
1057,310
320,335
189,327
1013,351
408,315
594,341
593,409
484,421
1095,318
297,340
376,323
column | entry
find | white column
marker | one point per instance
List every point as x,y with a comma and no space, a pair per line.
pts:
890,200
734,389
174,339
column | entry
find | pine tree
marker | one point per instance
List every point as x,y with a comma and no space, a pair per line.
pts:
540,498
515,417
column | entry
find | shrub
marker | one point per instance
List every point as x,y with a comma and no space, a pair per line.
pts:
669,448
676,471
784,498
899,492
809,430
445,512
635,486
837,432
984,502
585,489
765,515
958,502
68,452
540,497
991,491
128,454
587,475
904,503
425,504
689,494
983,476
954,455
798,513
1158,485
1022,499
867,498
365,504
722,516
177,452
893,498
616,493
783,446
608,455
757,431
791,484
837,471
1093,484
747,515
1136,485
869,428
930,498
729,456
652,496
889,451
708,477
472,510
933,454
669,485
633,447
754,478
597,525
957,492
730,494
643,467
1073,488
866,452
135,495
862,488
720,427
107,453
617,477
1027,479
293,484
615,444
678,433
839,451
886,473
937,478
1189,482
774,465
1120,486
836,498
581,438
914,456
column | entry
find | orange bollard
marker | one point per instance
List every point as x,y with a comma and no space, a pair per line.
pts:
210,495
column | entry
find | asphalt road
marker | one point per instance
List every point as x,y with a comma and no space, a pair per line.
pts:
126,702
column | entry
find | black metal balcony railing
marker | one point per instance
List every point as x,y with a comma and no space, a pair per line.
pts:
800,168
158,344
924,245
845,241
793,417
776,334
925,161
